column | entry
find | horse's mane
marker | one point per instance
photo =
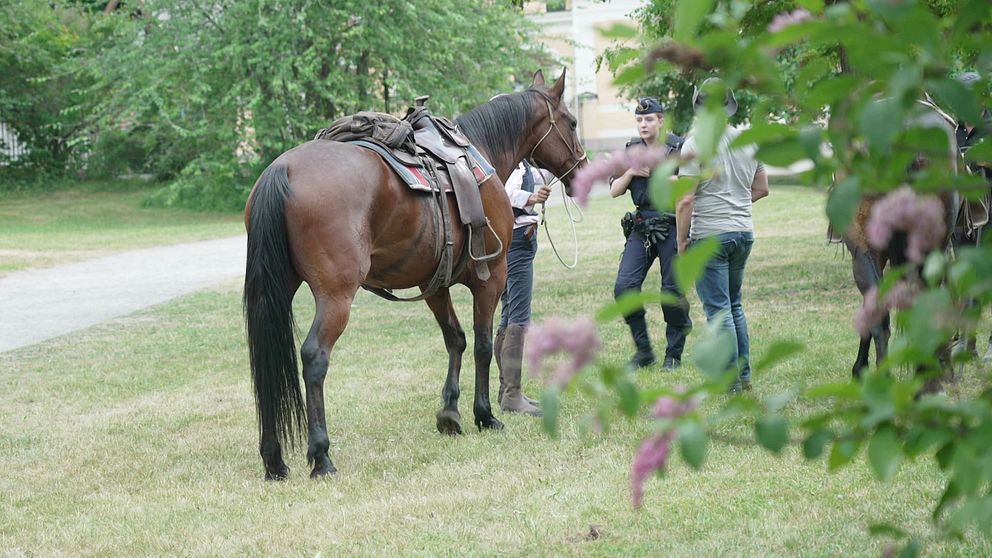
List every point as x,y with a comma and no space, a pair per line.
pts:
500,123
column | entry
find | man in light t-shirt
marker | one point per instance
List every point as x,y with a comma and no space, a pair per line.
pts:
720,207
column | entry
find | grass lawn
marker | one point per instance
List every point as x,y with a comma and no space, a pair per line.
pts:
63,225
138,437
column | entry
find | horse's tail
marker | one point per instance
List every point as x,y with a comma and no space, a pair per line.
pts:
268,309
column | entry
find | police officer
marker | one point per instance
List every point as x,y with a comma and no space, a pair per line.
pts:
650,235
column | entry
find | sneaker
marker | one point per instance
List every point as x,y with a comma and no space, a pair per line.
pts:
642,359
671,363
736,389
746,385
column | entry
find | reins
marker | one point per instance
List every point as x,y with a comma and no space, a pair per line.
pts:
553,125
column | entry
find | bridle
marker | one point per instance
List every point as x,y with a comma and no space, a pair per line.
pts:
577,152
579,155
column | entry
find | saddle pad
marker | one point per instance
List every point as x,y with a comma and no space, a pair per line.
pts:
415,177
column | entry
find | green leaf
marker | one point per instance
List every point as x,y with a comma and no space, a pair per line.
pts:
782,153
713,351
549,411
688,15
980,153
780,350
772,432
828,91
814,443
888,530
763,133
841,453
842,390
711,123
814,6
618,31
885,452
689,265
630,398
631,301
693,442
911,550
843,202
630,75
666,191
954,95
880,121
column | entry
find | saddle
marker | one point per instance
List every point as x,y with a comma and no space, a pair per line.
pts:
430,154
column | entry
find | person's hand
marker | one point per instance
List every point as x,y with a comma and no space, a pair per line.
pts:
643,171
683,246
540,196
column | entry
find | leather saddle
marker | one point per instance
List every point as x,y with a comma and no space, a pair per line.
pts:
431,154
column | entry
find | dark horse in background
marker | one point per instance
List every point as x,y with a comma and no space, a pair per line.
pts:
869,263
335,216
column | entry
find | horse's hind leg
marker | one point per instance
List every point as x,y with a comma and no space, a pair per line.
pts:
448,418
328,324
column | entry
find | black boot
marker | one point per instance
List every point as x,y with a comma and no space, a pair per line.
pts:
639,330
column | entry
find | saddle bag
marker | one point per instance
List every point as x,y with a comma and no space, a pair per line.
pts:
381,128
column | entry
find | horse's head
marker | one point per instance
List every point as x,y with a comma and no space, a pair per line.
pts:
557,147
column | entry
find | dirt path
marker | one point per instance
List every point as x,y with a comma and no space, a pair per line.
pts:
39,304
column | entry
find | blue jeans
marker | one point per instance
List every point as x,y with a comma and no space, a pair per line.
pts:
719,289
515,302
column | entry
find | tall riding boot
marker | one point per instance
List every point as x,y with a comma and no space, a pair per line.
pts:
639,330
513,400
498,353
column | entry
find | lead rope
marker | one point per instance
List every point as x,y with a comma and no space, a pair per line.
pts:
566,201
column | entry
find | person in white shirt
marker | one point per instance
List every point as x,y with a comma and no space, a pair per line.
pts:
526,187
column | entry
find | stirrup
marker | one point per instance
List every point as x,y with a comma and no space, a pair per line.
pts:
485,257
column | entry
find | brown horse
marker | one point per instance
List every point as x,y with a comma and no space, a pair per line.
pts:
868,263
335,216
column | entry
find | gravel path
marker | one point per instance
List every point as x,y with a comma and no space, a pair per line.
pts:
39,304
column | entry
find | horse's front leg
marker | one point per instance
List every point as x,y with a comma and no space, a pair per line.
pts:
484,299
448,418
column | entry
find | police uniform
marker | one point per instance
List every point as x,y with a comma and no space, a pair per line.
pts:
652,235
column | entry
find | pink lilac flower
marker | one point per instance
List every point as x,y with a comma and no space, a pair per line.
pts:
615,164
653,454
902,294
920,217
650,457
873,311
668,407
870,313
576,337
785,19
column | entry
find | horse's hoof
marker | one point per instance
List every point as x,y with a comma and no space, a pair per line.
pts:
322,467
280,474
449,422
490,423
321,472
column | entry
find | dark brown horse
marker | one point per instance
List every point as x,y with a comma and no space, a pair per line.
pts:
869,263
335,216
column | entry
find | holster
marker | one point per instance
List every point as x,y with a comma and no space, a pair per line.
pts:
627,223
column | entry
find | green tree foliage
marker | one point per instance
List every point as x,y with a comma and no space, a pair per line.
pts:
229,85
206,92
38,94
855,112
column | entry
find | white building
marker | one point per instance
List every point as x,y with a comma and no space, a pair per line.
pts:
571,30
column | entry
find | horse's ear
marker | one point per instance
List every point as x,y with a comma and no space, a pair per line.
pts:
558,88
538,79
